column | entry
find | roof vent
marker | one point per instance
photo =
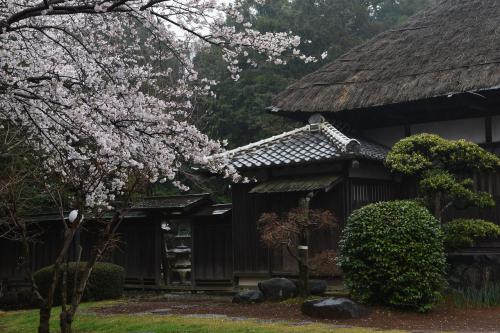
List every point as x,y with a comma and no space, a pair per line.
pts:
316,119
315,128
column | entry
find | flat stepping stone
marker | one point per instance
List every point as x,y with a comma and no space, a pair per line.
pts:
334,308
161,311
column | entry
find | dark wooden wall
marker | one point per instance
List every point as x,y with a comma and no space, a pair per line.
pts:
10,260
135,251
138,250
44,252
251,258
366,191
212,250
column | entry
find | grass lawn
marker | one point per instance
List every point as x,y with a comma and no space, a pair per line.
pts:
87,322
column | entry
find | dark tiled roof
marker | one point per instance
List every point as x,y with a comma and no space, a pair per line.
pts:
214,210
308,144
297,184
54,217
172,202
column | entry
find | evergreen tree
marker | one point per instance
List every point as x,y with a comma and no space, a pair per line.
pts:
335,26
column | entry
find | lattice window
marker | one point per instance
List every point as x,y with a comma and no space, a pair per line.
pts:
366,193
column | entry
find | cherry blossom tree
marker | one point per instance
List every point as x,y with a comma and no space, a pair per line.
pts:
90,85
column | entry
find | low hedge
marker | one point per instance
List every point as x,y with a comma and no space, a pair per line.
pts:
392,254
463,233
105,282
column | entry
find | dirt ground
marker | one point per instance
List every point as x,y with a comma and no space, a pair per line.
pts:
444,318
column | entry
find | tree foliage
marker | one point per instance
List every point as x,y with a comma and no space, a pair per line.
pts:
293,228
278,231
443,169
463,233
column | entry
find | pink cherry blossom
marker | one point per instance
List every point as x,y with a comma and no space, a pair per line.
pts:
104,88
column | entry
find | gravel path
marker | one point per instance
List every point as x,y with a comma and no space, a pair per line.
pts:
443,318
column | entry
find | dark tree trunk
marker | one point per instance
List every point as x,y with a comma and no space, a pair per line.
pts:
46,309
99,249
63,317
43,325
437,207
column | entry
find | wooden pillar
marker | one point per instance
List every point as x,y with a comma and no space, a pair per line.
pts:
157,249
193,249
164,259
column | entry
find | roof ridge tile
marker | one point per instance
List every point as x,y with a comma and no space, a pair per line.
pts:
346,144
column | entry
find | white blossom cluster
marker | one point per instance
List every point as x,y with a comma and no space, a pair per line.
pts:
91,84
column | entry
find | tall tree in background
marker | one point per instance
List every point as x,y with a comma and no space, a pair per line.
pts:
391,12
332,27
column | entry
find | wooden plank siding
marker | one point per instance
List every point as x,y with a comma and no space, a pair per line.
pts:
10,260
366,191
251,258
135,250
212,251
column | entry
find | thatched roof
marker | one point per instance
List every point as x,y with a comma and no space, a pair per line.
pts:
446,49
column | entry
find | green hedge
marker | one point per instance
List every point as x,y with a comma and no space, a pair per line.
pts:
463,233
105,282
392,254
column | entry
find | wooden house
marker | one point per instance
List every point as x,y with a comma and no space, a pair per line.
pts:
164,242
439,72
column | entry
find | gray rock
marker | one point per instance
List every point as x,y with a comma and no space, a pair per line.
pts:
473,270
278,289
334,308
248,297
316,287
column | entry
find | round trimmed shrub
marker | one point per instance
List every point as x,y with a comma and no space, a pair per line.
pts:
463,233
105,282
392,254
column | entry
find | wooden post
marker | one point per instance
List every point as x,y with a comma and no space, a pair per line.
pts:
193,280
303,248
163,249
157,255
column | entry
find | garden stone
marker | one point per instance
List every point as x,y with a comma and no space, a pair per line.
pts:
278,289
473,270
161,311
334,308
316,287
248,297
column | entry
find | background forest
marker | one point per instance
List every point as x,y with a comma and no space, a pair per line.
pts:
238,111
335,26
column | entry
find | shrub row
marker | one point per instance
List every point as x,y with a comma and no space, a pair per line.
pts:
105,282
